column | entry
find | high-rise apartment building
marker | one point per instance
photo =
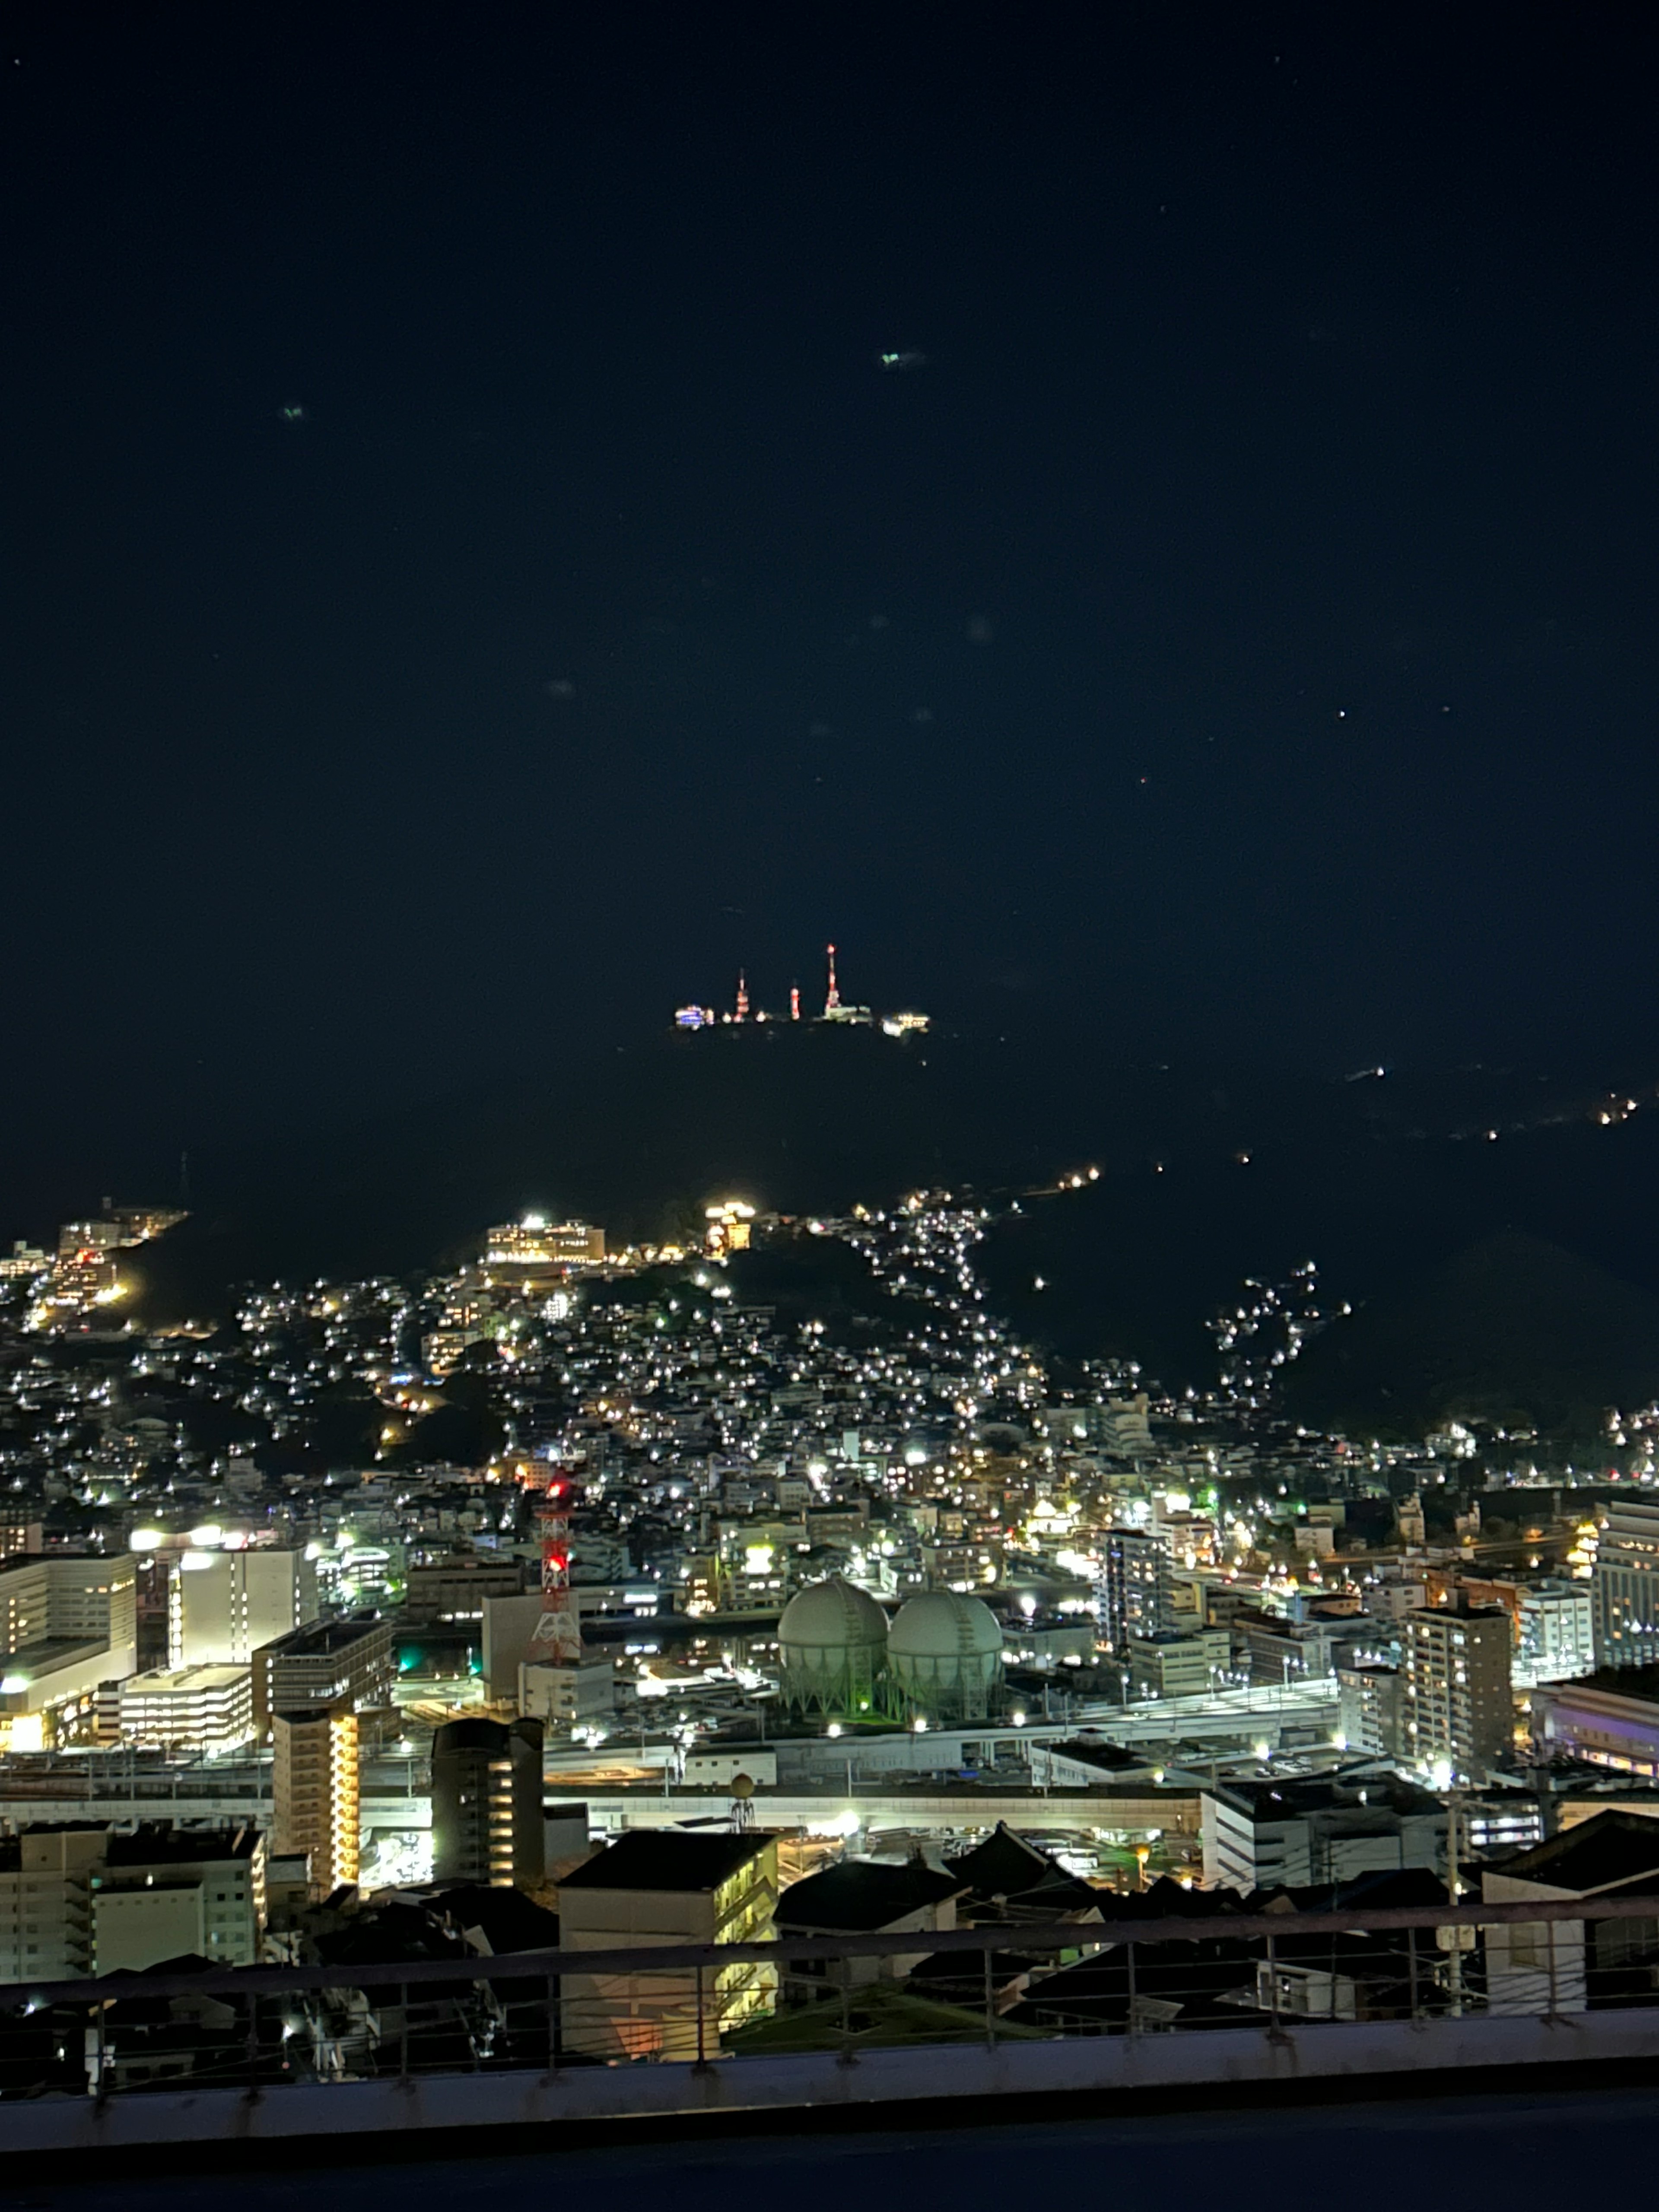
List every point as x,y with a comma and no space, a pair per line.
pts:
315,1784
1557,1630
486,1803
223,1606
1459,1696
1624,1588
1136,1591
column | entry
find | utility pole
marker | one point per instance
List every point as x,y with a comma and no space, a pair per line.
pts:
1454,1892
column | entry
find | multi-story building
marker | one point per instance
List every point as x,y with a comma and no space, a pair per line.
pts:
1318,1828
315,1783
1610,1719
79,1898
455,1589
69,1597
353,1661
536,1243
1175,1666
658,1886
206,1708
1459,1699
1557,1630
1137,1593
223,1606
175,1893
1372,1707
486,1803
1625,1587
568,1693
66,1624
45,1893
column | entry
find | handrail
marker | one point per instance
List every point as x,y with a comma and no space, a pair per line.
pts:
553,1964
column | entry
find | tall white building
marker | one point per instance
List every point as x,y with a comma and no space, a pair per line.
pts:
1626,1587
1558,1632
222,1606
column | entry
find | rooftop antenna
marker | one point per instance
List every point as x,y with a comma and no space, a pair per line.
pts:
832,998
184,1178
794,1002
743,996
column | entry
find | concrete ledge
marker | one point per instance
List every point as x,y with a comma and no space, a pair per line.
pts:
458,2105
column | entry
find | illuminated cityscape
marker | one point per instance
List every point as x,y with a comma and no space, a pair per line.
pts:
624,1556
675,1534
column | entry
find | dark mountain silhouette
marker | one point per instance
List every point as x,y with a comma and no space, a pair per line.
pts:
1206,1176
1512,1329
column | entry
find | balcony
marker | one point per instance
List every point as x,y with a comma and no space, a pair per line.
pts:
1194,2009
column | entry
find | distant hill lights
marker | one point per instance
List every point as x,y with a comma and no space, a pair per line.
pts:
835,1010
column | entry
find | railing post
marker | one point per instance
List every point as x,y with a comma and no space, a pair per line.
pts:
1555,2003
252,2045
103,2056
403,2036
703,2055
1130,2023
1411,1966
846,2056
990,2002
1273,1984
552,2025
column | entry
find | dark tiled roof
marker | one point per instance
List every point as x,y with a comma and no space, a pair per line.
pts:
1003,1864
861,1894
1604,1852
666,1858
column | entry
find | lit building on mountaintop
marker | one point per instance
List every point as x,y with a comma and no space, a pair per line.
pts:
837,1009
535,1242
86,1273
730,1223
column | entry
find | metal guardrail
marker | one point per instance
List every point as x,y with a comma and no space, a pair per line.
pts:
1000,1936
258,2027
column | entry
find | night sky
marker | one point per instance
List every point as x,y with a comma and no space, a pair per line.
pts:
471,582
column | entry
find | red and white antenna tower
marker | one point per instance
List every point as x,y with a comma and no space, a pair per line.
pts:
743,996
557,1634
794,1002
832,998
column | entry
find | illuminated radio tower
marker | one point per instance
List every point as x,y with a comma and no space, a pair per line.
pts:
743,996
832,996
794,1002
557,1634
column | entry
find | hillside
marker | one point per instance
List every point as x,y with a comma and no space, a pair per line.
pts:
1512,1329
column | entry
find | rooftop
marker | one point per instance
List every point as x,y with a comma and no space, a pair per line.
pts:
322,1637
179,1681
154,1843
1604,1852
667,1858
858,1895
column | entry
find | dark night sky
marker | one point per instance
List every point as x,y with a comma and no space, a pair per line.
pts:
1236,636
